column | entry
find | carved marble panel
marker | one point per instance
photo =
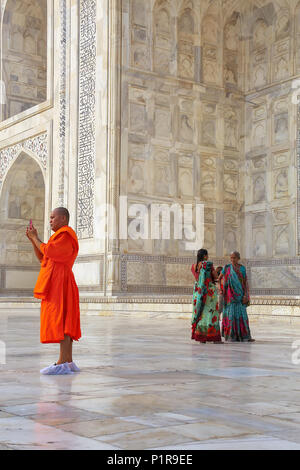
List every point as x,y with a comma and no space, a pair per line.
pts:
282,25
162,123
138,12
137,118
164,179
186,66
259,162
274,277
259,134
281,215
230,186
210,239
260,34
230,219
231,134
230,241
281,240
280,159
136,176
186,128
281,183
208,185
210,71
140,57
259,188
231,39
281,128
185,182
259,237
208,162
259,75
210,30
210,215
281,67
137,150
231,71
259,112
208,133
259,219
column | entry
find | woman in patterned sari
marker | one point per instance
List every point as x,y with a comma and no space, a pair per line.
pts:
205,318
234,285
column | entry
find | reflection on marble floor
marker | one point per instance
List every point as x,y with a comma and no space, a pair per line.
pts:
145,385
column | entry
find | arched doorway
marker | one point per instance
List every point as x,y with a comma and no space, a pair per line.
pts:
22,198
24,55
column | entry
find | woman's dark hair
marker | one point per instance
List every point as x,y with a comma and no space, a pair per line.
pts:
200,256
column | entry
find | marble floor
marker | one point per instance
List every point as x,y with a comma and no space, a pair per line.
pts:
145,385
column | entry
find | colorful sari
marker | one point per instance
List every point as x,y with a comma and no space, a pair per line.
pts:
235,323
205,318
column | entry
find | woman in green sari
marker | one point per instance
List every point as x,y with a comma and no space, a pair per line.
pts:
235,290
205,318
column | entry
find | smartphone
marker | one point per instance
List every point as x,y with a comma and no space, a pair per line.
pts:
30,224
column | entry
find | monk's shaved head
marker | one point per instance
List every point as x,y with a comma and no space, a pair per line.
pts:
58,218
63,212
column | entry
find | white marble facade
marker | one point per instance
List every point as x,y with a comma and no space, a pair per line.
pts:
164,101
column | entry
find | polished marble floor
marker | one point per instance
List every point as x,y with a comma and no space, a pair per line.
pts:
145,385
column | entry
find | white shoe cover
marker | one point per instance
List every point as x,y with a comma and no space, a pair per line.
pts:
59,369
73,367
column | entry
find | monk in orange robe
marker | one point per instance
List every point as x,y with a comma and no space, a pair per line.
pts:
56,286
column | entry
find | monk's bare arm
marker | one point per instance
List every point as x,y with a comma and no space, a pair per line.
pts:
36,243
37,252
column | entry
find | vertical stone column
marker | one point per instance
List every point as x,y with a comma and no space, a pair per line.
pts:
112,248
298,179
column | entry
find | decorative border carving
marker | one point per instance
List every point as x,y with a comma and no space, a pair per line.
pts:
63,102
184,300
272,262
37,145
87,128
189,260
160,259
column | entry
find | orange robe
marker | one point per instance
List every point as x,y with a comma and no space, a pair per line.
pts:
57,288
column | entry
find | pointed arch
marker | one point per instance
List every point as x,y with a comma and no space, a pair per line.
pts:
22,198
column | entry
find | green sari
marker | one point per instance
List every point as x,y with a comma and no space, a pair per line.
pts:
205,318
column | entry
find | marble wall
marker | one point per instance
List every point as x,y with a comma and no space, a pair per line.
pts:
271,154
194,103
208,116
